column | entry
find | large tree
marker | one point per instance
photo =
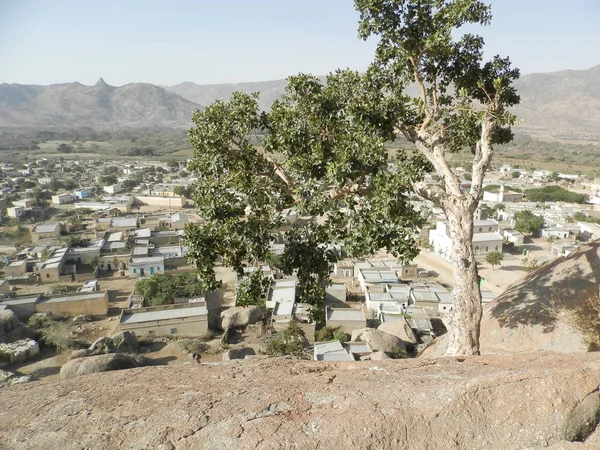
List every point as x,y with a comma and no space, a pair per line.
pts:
461,104
322,155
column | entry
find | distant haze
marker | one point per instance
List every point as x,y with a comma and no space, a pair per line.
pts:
562,104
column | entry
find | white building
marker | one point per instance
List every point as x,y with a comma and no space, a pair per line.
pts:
513,236
16,211
61,199
113,188
485,238
146,266
502,195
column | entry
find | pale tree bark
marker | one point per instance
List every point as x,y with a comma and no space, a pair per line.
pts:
459,207
465,318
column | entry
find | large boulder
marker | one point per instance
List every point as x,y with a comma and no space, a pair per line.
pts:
125,341
399,328
379,340
527,401
240,316
11,328
238,353
99,363
103,346
554,308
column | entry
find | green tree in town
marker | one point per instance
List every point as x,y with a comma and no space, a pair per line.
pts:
494,259
324,154
528,223
146,288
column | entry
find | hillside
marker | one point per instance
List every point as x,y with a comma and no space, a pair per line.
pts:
533,401
74,105
557,106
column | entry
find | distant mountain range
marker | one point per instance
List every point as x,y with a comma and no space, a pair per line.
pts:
555,105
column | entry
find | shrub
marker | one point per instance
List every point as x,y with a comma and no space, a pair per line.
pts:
332,333
291,342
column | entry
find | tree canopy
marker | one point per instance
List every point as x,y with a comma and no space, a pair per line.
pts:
528,223
323,155
554,194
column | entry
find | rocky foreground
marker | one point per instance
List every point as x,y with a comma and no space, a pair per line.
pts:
491,402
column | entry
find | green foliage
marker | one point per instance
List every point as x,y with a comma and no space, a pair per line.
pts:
252,290
554,194
330,334
128,185
161,289
76,241
107,180
324,154
515,174
494,258
184,191
291,342
528,223
58,335
146,288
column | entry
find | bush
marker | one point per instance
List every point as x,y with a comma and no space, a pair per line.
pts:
554,194
291,342
58,335
330,334
192,345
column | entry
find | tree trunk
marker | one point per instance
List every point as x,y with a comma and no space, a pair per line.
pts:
465,318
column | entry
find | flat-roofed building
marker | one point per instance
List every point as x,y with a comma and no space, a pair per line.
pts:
91,304
347,319
16,212
146,266
331,351
46,230
183,319
61,199
23,307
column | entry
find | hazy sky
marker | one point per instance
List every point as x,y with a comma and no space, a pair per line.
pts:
223,41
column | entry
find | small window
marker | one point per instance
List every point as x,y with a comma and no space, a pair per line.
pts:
490,228
487,248
134,270
173,330
477,248
480,229
158,269
150,331
47,275
496,248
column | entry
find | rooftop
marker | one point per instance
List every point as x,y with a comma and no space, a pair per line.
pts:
74,298
46,227
163,314
345,314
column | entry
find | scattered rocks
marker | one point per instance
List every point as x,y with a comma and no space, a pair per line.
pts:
99,363
10,379
11,328
238,353
81,319
103,346
240,317
19,351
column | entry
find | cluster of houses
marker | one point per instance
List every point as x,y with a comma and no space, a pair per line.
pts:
127,246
